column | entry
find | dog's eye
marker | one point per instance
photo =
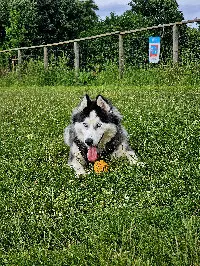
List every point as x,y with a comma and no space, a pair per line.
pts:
85,125
98,125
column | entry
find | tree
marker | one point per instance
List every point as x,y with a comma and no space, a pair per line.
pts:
60,20
32,22
157,11
4,15
21,25
190,50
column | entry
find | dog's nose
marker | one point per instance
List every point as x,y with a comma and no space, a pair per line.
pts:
89,141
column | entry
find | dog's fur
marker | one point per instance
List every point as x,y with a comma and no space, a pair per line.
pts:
96,123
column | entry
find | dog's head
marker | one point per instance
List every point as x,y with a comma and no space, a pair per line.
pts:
95,121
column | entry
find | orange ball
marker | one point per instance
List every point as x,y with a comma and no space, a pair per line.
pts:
100,166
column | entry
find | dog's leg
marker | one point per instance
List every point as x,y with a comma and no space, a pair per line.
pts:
133,159
125,151
77,166
76,160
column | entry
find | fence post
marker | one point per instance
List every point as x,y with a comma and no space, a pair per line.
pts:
121,56
76,59
19,57
45,57
175,43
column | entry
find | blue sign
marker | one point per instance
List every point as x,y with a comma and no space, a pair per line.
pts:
154,49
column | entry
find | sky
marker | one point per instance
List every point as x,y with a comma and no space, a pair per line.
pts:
190,8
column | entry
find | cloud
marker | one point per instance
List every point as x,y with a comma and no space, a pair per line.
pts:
190,11
188,2
103,3
105,10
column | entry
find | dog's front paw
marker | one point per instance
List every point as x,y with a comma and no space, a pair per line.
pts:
78,167
132,157
80,172
140,164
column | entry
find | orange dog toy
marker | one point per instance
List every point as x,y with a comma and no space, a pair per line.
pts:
100,166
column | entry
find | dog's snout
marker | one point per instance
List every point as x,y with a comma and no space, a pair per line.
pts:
89,141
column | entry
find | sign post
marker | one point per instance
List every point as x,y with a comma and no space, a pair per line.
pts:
154,49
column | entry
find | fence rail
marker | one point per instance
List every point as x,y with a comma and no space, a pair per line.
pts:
175,33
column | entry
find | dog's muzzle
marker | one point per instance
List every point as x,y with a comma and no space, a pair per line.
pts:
89,142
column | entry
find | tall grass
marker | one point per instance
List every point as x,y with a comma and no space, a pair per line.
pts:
129,216
32,73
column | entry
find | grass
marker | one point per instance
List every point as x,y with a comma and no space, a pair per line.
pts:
59,74
129,216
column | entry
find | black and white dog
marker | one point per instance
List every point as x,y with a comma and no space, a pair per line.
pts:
96,132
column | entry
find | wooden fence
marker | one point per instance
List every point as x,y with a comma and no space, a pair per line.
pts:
121,34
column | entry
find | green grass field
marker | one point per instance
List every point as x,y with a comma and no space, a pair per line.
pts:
129,216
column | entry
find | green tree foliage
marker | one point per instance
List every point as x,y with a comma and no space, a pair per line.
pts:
21,27
190,50
15,33
127,21
4,15
60,20
157,11
26,22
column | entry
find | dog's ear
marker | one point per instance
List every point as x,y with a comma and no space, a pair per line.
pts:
103,103
83,104
108,107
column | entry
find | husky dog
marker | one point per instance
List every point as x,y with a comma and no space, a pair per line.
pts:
96,132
